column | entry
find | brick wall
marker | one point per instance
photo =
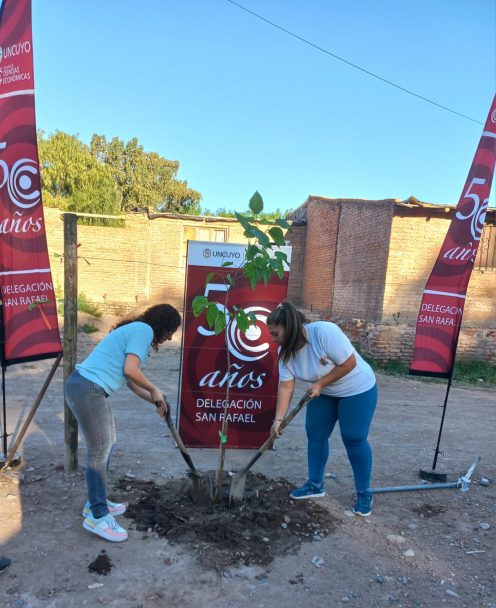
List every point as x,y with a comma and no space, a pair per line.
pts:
385,254
135,265
361,259
320,250
297,241
414,246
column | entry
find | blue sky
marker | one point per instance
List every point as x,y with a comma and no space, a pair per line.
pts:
244,106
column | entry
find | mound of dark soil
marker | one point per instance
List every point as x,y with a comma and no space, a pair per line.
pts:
250,532
101,565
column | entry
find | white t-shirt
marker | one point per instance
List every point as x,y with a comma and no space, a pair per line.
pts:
328,347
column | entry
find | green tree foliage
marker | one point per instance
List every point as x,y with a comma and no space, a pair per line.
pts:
71,177
145,179
110,177
265,215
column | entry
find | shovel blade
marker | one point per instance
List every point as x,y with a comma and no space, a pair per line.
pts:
200,488
237,491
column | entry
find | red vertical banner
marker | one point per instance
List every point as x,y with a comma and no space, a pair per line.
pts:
443,302
30,326
254,377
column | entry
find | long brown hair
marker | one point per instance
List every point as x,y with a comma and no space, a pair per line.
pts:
288,316
162,318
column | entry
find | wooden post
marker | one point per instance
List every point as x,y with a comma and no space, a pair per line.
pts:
70,336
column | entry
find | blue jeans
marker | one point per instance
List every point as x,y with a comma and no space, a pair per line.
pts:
90,406
355,415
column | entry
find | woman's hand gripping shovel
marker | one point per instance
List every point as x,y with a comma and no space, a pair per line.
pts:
239,480
200,483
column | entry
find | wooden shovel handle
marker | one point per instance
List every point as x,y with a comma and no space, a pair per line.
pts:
303,401
178,439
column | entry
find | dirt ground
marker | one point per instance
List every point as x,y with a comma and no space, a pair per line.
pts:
177,555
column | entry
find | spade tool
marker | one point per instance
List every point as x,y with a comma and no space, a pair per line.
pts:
200,483
239,480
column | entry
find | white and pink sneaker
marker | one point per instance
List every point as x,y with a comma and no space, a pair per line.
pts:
106,527
114,508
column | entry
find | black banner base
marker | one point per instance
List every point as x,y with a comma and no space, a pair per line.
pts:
414,372
429,474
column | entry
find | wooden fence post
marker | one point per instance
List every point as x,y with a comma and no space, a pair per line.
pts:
70,336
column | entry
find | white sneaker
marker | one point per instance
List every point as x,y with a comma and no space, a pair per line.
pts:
106,527
114,508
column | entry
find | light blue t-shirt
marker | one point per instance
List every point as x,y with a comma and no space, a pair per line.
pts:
105,365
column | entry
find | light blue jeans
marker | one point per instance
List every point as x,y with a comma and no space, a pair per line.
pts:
92,410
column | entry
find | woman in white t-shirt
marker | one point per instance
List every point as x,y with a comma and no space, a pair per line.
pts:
343,388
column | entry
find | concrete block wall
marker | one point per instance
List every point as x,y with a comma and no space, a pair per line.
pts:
395,341
138,264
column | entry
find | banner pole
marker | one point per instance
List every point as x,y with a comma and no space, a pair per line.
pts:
437,452
20,437
4,436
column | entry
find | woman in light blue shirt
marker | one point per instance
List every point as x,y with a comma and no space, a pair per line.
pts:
116,361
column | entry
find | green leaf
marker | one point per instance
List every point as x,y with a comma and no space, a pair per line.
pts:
227,264
262,238
220,322
277,236
230,279
280,271
199,305
32,305
212,313
267,273
265,222
250,271
284,224
209,278
253,318
243,220
57,255
242,321
223,438
251,252
256,204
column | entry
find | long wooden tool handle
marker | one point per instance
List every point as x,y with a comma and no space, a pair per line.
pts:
303,401
178,440
33,411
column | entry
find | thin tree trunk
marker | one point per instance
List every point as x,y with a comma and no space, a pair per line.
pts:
225,425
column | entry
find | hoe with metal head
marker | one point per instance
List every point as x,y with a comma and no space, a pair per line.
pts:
239,480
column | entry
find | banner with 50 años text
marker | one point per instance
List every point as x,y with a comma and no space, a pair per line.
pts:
443,302
254,375
30,327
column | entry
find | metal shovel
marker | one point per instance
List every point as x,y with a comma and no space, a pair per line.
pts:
239,480
200,483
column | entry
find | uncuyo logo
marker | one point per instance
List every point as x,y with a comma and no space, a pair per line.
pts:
207,253
1,54
493,115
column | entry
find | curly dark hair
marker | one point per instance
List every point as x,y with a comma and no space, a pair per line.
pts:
162,318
